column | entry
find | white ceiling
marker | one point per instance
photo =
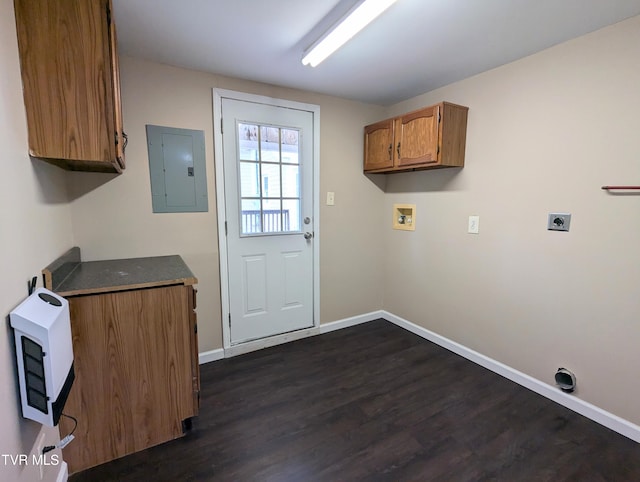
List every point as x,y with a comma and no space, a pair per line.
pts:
412,48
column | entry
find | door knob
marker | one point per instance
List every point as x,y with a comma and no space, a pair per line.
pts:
308,236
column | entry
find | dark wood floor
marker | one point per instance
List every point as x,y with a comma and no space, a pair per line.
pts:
375,402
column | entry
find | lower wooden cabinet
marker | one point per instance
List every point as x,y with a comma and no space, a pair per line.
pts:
137,374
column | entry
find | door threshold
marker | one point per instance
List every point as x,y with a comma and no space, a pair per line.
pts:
253,345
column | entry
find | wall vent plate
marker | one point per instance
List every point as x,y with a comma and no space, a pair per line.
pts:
559,222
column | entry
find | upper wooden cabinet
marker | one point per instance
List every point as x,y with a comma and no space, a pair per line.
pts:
378,146
71,83
431,137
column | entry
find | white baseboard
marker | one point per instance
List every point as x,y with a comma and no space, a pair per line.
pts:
63,473
210,356
347,322
609,420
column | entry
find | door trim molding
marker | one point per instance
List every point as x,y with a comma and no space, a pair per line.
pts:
218,95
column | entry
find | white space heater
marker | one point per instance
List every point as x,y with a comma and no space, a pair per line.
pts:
44,353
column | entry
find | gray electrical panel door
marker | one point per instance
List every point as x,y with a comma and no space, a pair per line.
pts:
178,170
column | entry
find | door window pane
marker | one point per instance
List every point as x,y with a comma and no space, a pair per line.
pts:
290,181
248,142
271,180
269,144
290,146
271,216
249,179
251,221
291,214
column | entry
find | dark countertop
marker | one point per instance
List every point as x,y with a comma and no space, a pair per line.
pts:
74,277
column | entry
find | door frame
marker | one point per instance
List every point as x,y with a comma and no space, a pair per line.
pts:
218,95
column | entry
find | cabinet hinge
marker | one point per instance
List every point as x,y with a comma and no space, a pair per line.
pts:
226,231
229,320
221,126
195,328
108,15
439,117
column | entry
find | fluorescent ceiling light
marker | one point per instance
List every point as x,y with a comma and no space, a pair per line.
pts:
358,18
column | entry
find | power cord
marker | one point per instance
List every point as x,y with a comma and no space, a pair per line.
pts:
64,441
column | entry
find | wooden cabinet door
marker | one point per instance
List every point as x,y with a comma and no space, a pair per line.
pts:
195,361
70,82
120,136
378,146
134,372
416,137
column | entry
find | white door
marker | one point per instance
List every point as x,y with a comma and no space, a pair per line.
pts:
268,181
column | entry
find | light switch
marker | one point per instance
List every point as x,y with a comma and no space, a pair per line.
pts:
331,198
474,225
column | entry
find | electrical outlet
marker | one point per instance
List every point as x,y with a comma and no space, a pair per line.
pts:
559,222
331,198
474,225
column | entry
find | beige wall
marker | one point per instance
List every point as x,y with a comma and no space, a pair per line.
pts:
112,215
544,134
35,220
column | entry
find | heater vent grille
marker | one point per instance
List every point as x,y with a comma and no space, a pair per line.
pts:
33,358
